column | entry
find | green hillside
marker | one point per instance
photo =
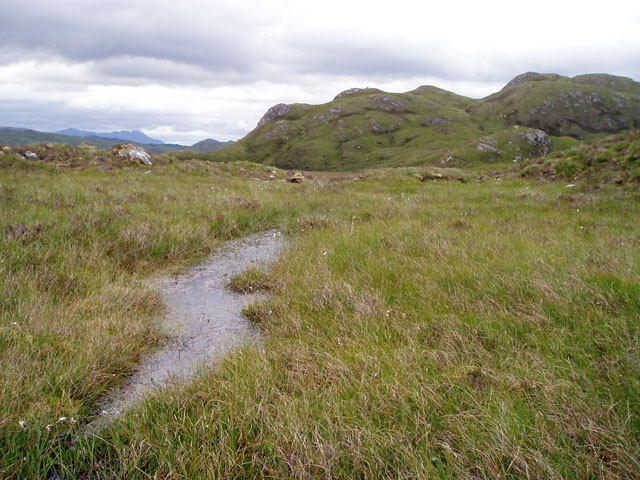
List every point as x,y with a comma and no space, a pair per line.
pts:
370,128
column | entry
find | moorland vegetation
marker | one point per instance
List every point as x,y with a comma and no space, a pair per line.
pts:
473,320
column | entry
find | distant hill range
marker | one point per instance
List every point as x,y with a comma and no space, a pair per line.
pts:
531,116
209,145
135,136
23,136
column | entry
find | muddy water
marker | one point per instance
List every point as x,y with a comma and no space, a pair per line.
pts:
204,321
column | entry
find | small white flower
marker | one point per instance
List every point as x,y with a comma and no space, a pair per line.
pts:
62,419
48,427
22,424
324,254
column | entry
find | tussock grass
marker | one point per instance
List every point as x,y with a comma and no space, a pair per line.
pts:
251,280
415,329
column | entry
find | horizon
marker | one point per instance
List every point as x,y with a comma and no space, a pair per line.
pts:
149,134
185,74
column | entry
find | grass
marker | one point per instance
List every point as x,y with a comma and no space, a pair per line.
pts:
437,329
251,280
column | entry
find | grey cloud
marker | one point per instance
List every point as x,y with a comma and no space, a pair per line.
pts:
217,43
104,31
343,58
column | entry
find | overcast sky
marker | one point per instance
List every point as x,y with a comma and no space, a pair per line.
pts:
184,71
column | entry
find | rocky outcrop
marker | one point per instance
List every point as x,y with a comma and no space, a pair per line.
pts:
132,152
297,177
277,111
537,138
432,121
483,147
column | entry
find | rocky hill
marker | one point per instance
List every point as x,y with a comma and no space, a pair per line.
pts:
532,115
576,106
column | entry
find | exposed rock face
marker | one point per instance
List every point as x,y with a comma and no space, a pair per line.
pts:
297,177
277,111
483,147
432,121
388,104
537,138
577,99
132,152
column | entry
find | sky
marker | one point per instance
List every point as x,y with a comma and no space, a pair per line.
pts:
195,69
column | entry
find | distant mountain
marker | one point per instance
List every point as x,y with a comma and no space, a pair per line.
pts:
23,136
135,136
532,115
209,145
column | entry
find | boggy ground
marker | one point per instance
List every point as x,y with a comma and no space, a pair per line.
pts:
437,329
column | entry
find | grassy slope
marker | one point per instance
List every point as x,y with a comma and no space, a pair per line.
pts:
369,128
434,329
613,159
